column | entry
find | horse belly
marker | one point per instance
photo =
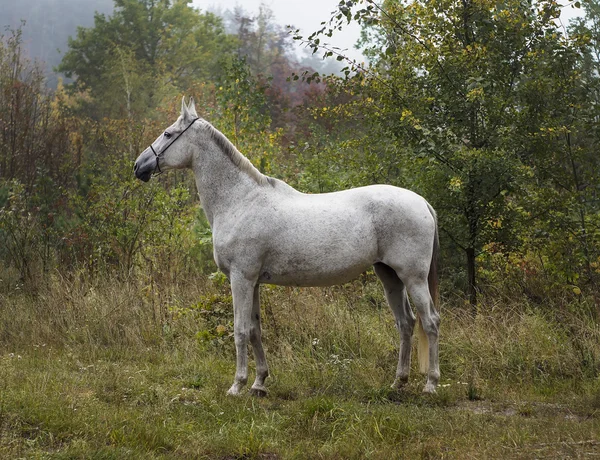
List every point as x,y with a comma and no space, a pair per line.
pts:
320,264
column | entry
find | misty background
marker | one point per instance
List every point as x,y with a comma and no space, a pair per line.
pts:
48,24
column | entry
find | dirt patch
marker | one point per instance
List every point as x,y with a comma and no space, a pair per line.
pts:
524,409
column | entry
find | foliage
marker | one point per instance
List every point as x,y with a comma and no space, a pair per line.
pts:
19,230
268,53
485,109
473,87
146,50
34,131
39,156
242,112
216,312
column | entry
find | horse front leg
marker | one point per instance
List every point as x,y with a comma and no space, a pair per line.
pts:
242,290
262,369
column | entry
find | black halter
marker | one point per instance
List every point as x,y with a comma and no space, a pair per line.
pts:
158,155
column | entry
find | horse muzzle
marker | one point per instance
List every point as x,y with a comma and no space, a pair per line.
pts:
144,166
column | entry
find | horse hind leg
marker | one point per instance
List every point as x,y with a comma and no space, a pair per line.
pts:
430,323
397,299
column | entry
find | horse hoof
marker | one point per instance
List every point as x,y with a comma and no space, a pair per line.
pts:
399,383
429,389
234,390
258,391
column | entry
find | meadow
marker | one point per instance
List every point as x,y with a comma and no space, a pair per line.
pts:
118,369
116,336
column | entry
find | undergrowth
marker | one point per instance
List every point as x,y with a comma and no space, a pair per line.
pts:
111,368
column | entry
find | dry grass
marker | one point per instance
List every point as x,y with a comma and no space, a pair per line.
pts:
115,369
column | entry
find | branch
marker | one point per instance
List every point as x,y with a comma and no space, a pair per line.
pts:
420,42
442,228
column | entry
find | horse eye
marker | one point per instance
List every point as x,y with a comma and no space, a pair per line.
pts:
168,134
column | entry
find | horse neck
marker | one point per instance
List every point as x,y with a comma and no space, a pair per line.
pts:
222,186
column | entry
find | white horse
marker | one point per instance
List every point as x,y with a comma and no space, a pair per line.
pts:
264,231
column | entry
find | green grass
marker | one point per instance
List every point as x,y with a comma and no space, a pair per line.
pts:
81,379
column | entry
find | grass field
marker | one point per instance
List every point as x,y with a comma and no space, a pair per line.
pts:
125,370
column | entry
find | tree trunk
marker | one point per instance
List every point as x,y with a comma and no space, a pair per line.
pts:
472,281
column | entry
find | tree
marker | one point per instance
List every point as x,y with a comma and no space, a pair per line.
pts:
447,79
47,26
266,49
128,61
558,129
38,159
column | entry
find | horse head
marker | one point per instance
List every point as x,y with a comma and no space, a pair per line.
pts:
164,153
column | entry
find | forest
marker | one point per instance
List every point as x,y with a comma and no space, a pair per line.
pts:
116,327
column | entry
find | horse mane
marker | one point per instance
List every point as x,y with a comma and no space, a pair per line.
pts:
236,156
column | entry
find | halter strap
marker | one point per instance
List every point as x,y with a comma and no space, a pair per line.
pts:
158,155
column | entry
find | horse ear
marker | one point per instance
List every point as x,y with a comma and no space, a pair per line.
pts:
184,109
192,108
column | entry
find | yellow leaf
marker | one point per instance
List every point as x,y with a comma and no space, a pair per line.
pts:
455,183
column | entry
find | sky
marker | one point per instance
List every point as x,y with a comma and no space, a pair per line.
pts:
306,15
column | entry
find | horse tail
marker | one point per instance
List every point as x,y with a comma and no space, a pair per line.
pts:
434,292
